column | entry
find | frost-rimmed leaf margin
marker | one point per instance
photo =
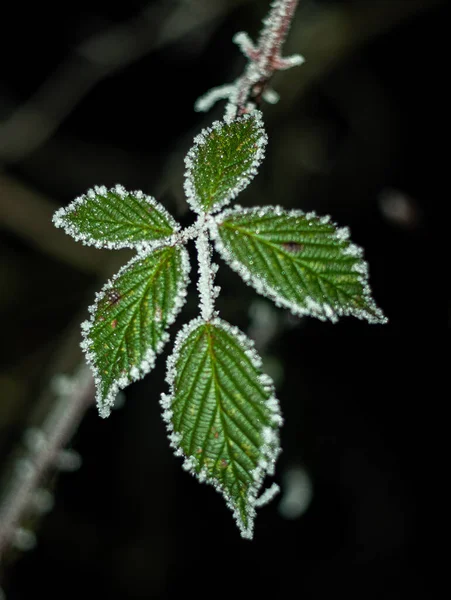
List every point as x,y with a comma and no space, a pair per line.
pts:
270,447
313,306
148,222
105,401
199,165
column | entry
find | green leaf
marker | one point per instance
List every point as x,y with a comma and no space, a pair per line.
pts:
301,261
129,319
223,160
222,413
115,219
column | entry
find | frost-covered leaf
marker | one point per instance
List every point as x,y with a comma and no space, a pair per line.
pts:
301,261
129,319
115,219
223,160
222,414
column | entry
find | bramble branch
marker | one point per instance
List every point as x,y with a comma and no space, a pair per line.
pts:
265,58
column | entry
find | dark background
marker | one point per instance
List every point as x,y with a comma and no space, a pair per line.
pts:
355,136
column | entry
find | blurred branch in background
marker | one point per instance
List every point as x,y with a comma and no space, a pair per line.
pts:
98,57
28,214
44,451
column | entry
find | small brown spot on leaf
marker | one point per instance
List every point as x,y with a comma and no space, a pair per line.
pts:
113,296
293,247
223,463
114,323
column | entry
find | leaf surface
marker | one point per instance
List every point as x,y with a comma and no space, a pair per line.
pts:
223,160
222,413
130,317
301,261
115,219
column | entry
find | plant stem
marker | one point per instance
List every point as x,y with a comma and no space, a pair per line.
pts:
207,271
265,58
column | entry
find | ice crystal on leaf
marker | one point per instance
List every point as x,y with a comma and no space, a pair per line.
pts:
223,160
115,219
207,272
224,414
130,317
301,261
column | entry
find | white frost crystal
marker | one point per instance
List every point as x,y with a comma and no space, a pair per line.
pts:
273,221
269,448
116,219
207,272
264,59
106,400
193,193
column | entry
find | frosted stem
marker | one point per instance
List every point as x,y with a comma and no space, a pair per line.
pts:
207,271
265,58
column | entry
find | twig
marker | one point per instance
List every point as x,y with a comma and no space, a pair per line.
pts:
265,59
43,452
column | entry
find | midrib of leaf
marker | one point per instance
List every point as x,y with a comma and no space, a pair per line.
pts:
226,428
227,436
131,206
138,225
195,377
224,170
297,261
244,375
214,380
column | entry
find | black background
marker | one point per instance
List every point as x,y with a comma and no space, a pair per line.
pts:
130,523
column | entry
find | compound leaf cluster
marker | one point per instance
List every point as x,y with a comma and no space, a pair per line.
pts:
221,411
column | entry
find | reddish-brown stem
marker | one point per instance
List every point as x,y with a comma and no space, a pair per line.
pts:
264,58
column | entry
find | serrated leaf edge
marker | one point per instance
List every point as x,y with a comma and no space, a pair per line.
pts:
270,449
200,139
323,311
106,402
60,221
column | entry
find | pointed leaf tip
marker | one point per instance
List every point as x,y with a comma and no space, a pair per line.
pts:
223,160
303,262
129,319
115,219
222,414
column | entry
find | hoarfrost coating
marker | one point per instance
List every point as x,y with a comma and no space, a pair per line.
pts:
116,219
194,191
272,247
268,449
105,395
264,60
207,271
